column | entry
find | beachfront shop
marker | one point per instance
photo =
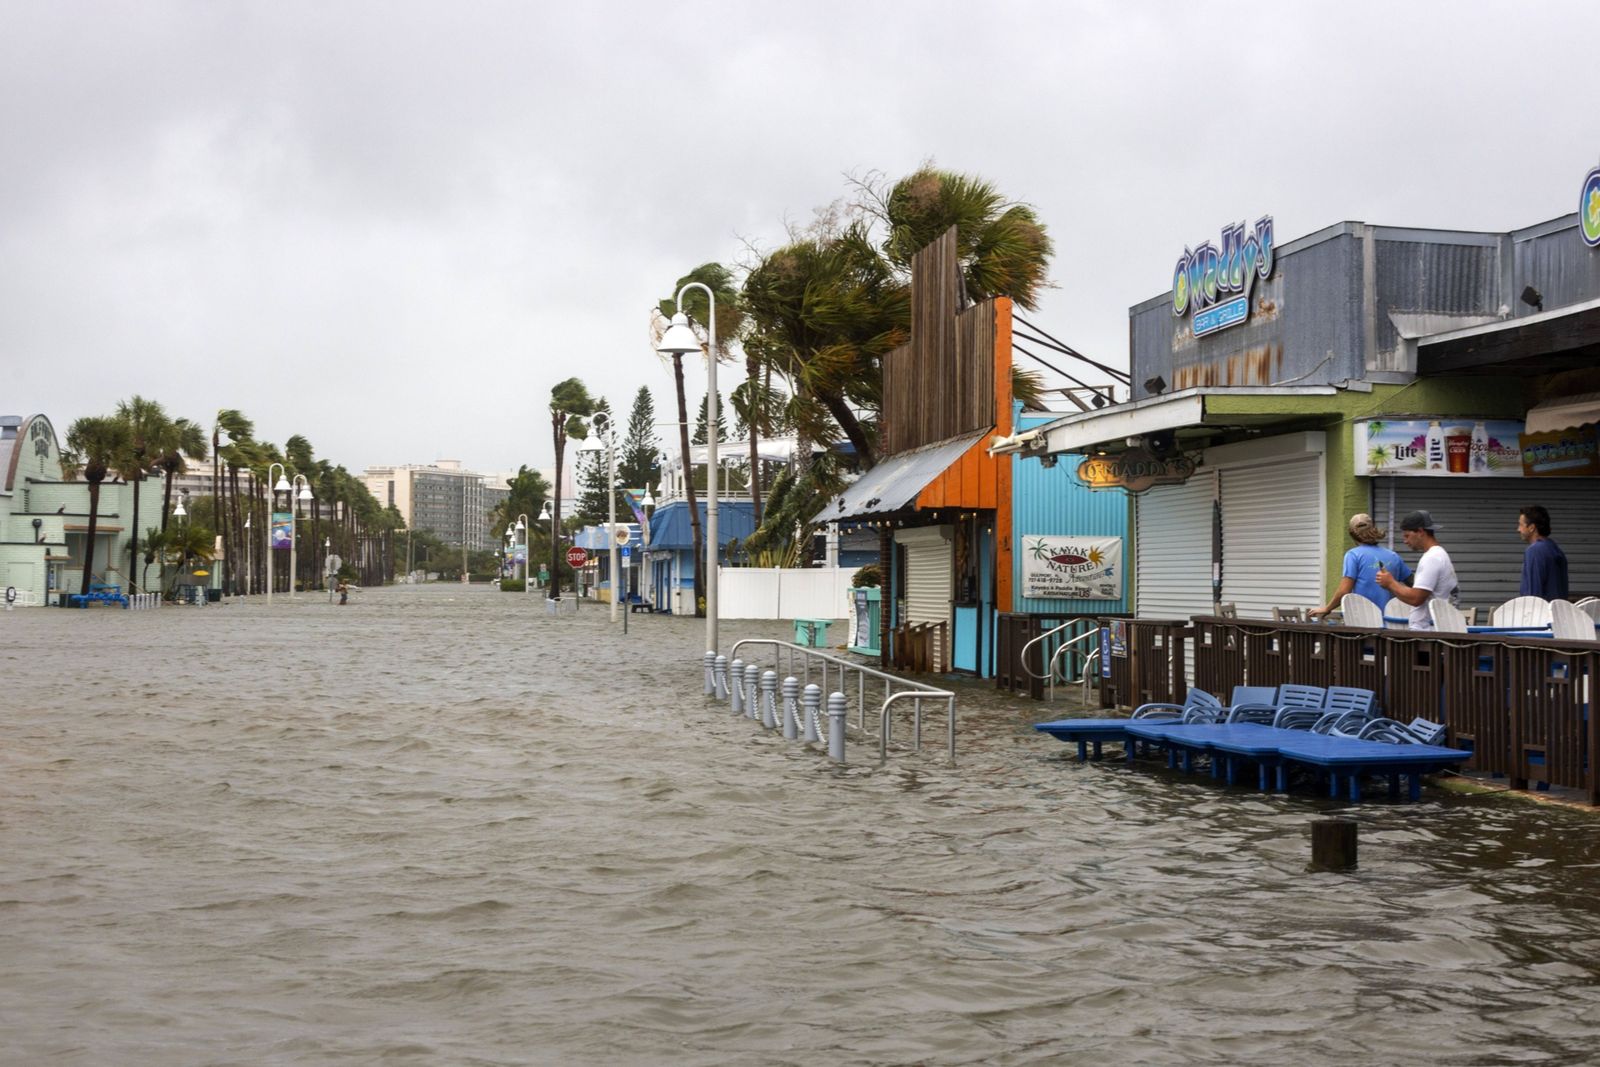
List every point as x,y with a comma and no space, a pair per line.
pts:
1280,389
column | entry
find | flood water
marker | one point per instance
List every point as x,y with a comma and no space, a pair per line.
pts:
438,826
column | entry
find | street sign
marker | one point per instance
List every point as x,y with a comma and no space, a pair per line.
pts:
577,557
624,551
333,565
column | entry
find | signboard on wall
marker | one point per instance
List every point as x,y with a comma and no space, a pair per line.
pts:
1574,451
1135,470
1446,447
1213,284
1064,567
1589,209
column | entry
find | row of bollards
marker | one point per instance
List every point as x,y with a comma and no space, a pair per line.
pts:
759,695
143,601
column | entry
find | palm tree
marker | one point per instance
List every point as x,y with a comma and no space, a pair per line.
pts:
570,404
229,421
147,424
93,444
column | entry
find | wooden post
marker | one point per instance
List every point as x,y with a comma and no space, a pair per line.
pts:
1333,845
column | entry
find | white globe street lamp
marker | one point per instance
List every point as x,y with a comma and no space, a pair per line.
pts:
680,340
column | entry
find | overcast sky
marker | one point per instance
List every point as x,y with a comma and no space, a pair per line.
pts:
392,227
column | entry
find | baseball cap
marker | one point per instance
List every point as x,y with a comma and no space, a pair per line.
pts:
1363,529
1418,520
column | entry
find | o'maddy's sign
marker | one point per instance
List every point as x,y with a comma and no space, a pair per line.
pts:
1213,284
1135,470
1589,209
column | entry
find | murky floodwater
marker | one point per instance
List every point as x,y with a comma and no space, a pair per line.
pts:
437,826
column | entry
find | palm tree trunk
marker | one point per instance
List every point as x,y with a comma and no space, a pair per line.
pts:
133,546
852,428
752,372
688,484
558,421
88,548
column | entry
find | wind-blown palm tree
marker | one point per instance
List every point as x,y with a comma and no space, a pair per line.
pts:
570,404
147,423
93,444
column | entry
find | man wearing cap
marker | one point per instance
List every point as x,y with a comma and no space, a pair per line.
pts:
1361,566
1435,576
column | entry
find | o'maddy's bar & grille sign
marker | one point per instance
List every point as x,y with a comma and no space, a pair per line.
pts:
1213,284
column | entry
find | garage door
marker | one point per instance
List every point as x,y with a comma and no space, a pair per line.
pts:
1272,536
1173,573
1477,525
929,580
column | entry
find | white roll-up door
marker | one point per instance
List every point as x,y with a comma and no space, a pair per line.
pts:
929,579
1477,525
1272,535
1173,548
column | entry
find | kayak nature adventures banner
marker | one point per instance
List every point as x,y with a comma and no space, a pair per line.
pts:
1065,567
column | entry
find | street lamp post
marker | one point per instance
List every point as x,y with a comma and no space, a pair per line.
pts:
549,512
327,548
527,551
304,493
646,568
280,486
249,574
681,340
605,439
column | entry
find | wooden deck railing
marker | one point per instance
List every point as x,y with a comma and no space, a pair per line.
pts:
1521,704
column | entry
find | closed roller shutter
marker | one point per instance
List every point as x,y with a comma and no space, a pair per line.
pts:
1173,573
1272,531
929,581
1477,521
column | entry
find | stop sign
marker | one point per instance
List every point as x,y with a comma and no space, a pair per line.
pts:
577,557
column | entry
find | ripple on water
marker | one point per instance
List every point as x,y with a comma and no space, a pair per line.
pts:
439,826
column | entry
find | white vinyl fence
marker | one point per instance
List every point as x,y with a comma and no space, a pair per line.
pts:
784,592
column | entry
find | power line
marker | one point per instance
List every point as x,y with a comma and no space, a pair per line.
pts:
1065,349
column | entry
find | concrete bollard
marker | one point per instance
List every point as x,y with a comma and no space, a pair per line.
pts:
721,692
752,698
736,686
769,699
837,710
810,708
1333,845
791,708
711,673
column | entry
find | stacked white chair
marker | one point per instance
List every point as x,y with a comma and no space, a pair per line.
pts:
1447,618
1590,606
1529,611
1361,612
1567,623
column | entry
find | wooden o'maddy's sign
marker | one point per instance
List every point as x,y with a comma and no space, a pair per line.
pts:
1135,470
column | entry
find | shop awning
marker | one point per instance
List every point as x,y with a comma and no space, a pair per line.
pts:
1545,341
1193,410
1563,414
896,481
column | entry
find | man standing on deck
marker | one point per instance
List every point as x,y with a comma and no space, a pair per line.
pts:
1435,577
1544,565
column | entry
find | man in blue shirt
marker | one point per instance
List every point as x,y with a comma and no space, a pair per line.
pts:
1544,565
1361,565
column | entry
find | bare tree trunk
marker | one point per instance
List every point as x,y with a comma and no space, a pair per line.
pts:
688,483
752,424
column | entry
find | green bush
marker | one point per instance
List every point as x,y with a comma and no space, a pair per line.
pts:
869,576
511,585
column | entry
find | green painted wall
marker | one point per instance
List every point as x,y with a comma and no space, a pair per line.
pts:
1486,397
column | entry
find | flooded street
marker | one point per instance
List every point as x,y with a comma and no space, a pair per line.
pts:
439,826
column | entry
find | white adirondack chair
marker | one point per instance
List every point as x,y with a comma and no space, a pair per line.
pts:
1361,612
1590,605
1447,618
1568,623
1529,611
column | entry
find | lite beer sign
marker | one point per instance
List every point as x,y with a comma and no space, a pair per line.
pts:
1214,283
1135,470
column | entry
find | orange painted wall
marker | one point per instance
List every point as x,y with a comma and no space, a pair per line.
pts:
978,480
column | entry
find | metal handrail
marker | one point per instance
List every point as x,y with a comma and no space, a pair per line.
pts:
891,694
1022,655
1065,647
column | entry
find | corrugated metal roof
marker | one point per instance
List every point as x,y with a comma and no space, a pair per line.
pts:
896,481
670,526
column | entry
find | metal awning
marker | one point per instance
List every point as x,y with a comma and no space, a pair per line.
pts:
896,481
1183,410
1559,339
1563,414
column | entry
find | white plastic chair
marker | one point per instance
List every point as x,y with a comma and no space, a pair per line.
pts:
1529,611
1570,624
1590,605
1447,618
1360,612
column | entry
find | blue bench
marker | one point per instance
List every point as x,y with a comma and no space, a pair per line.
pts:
636,602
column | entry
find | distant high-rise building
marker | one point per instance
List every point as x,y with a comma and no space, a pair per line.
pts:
442,498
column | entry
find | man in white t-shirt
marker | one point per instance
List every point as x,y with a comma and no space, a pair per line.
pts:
1435,577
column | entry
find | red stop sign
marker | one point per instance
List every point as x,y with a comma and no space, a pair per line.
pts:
577,557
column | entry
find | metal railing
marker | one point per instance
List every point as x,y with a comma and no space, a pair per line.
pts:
895,689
